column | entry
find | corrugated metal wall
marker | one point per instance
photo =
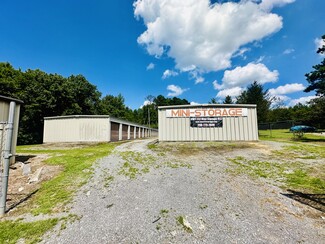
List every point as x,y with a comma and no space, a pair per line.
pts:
89,128
233,128
76,130
4,115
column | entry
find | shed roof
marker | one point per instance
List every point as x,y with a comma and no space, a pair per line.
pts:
9,99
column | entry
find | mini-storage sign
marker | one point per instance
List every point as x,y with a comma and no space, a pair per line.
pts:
206,112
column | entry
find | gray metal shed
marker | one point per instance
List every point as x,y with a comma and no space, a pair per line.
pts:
208,122
9,120
7,103
92,128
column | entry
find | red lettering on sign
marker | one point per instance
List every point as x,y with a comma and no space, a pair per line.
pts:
232,112
217,112
224,113
239,112
175,113
186,113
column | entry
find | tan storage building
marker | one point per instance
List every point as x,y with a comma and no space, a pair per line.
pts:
92,128
208,122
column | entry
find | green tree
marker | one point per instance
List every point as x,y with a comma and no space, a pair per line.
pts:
279,114
46,95
85,96
114,106
160,100
255,94
317,112
9,80
316,78
213,101
228,100
141,114
301,113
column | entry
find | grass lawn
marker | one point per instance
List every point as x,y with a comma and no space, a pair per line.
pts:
54,194
287,136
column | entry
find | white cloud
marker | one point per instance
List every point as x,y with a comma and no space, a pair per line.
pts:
260,59
168,73
196,76
270,4
146,102
202,36
288,51
319,43
199,80
279,100
216,86
286,89
282,98
302,100
194,103
241,52
150,66
175,91
242,76
233,92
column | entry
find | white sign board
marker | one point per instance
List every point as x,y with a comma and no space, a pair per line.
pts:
207,112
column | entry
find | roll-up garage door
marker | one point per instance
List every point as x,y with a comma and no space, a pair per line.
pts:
132,132
124,132
114,131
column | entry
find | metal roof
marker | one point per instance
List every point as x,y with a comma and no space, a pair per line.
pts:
10,99
209,106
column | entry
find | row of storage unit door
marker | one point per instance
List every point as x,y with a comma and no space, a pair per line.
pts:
129,132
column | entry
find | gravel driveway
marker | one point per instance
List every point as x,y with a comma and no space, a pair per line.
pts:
138,195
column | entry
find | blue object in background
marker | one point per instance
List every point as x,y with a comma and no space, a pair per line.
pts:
302,128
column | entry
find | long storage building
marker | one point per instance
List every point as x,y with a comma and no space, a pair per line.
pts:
208,122
92,128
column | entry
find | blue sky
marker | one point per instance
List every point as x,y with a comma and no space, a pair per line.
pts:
194,49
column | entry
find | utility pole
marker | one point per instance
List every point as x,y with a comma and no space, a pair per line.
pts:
150,100
149,117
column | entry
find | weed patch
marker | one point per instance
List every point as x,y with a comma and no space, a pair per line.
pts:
135,164
302,151
187,149
178,165
181,220
164,212
289,174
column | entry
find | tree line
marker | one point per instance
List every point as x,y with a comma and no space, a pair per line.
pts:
46,95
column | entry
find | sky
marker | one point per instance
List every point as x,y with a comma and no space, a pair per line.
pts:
193,49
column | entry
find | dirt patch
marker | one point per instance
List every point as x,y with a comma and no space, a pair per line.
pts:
63,145
26,176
